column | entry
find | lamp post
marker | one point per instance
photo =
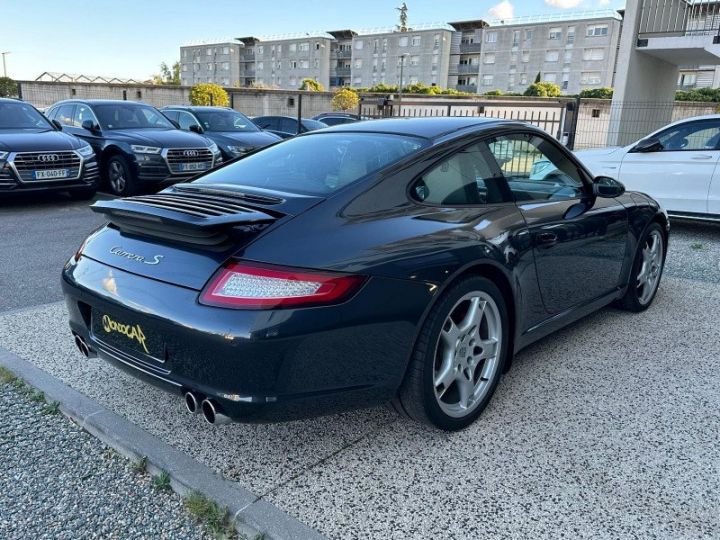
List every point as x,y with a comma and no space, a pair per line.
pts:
4,63
400,88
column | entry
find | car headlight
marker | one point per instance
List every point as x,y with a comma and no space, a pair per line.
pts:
85,151
139,149
3,155
237,150
213,147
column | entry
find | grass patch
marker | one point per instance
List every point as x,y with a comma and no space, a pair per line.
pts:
139,466
214,519
51,408
161,482
697,246
7,376
36,396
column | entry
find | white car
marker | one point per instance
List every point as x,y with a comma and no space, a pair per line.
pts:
677,165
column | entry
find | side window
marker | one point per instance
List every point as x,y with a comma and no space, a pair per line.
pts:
64,114
172,115
265,123
82,113
693,136
288,125
186,120
464,178
536,169
50,113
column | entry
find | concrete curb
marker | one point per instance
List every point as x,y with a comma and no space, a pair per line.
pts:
253,516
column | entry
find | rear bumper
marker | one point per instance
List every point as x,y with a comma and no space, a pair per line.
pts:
257,365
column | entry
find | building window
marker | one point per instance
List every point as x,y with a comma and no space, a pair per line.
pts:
376,45
489,58
436,41
293,64
525,57
185,53
555,33
593,54
511,81
208,51
260,66
259,49
594,30
416,41
304,47
467,38
184,68
686,80
305,64
513,58
528,34
414,80
568,57
487,80
403,41
316,63
523,79
358,44
210,66
516,38
414,60
358,63
550,77
384,46
357,81
292,47
552,55
590,77
226,66
491,37
278,49
571,35
317,45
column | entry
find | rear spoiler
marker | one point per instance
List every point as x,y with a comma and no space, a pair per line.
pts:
191,218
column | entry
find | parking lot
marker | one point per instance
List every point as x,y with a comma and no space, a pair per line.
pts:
607,429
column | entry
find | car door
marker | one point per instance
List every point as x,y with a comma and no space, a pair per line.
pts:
578,241
678,172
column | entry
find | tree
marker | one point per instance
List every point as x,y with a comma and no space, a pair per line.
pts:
311,85
538,78
209,94
543,89
168,75
597,93
8,87
345,99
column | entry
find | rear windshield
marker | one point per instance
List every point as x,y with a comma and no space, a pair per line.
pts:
316,164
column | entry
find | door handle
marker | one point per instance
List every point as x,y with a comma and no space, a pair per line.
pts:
702,156
546,239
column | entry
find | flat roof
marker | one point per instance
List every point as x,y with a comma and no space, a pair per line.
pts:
428,128
469,25
554,17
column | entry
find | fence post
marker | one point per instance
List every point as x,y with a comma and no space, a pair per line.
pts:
211,100
299,114
124,95
571,122
360,102
19,91
449,109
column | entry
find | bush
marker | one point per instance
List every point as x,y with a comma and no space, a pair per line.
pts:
496,92
543,89
383,88
420,88
8,87
597,93
699,94
209,94
345,99
311,85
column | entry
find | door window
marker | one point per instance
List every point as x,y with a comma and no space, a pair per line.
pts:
536,169
692,136
186,120
82,113
267,122
172,115
464,178
288,125
64,114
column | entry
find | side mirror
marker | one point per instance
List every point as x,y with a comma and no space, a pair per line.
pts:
57,124
196,129
607,188
651,144
90,126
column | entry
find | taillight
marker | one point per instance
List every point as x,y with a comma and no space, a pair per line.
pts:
80,250
254,286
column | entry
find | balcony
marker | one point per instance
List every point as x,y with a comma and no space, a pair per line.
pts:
470,48
337,53
467,68
680,32
471,88
248,57
342,71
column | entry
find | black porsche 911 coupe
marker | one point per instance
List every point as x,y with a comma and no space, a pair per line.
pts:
396,260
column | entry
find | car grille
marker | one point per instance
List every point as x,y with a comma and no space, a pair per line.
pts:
27,162
178,157
194,204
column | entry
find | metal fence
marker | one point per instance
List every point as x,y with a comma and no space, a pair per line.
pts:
679,18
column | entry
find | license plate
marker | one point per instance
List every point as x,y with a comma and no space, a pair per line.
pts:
51,174
193,166
123,333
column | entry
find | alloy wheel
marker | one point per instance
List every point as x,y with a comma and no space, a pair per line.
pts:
651,267
116,175
467,354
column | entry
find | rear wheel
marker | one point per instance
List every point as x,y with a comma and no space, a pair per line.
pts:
459,357
119,177
647,271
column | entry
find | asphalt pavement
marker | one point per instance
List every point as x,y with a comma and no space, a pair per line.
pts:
607,429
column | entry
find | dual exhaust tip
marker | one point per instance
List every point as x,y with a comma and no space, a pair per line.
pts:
83,347
207,407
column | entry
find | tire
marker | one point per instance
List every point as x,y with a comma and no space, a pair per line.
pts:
469,368
84,194
119,178
646,272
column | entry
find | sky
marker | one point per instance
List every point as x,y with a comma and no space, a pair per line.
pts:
130,38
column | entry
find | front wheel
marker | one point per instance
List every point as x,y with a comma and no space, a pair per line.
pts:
459,357
646,272
119,177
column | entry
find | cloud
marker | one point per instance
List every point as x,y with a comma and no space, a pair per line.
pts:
564,4
504,10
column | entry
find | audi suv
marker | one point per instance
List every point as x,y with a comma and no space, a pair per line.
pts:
138,148
35,155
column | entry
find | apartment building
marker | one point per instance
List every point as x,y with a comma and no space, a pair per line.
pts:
284,61
575,53
423,52
341,57
217,62
465,49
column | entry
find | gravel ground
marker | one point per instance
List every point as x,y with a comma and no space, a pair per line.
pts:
59,482
694,251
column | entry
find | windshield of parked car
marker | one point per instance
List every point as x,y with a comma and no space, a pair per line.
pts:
129,116
312,125
21,116
221,120
316,164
